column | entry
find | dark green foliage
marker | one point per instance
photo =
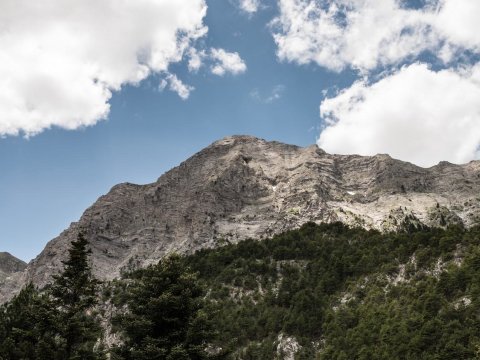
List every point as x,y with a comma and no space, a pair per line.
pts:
165,319
294,283
59,323
74,295
27,329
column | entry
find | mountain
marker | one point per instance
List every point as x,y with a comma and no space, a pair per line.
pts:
241,187
9,265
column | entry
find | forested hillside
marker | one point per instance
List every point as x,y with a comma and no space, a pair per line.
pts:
319,292
333,292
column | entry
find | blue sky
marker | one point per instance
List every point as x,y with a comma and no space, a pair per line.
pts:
51,176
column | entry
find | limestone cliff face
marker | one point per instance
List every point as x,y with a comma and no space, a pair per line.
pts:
242,187
9,265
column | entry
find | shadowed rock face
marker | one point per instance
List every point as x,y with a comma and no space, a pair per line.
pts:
9,265
242,187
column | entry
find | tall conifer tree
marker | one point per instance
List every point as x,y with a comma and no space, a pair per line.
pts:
74,294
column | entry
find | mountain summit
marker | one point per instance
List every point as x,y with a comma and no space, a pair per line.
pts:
241,187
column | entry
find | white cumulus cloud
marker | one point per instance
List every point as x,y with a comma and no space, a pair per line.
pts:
60,60
457,22
176,85
415,114
226,62
249,6
364,34
195,61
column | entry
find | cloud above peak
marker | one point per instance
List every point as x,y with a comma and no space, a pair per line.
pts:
366,34
226,62
416,114
419,112
249,6
60,61
176,85
221,61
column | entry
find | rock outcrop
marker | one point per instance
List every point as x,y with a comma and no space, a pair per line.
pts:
9,265
242,187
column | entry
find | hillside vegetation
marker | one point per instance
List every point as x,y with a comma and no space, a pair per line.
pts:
341,293
319,292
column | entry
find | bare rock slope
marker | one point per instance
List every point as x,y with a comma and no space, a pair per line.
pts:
242,187
9,265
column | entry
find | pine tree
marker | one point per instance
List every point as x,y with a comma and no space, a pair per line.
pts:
74,295
165,319
27,329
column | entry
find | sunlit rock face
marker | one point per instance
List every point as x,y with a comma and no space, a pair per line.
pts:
241,187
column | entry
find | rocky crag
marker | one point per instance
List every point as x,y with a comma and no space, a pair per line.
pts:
9,265
241,187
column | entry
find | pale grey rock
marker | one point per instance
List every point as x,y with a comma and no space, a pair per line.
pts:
287,347
241,187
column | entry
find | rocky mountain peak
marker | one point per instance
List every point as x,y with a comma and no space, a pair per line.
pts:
241,187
